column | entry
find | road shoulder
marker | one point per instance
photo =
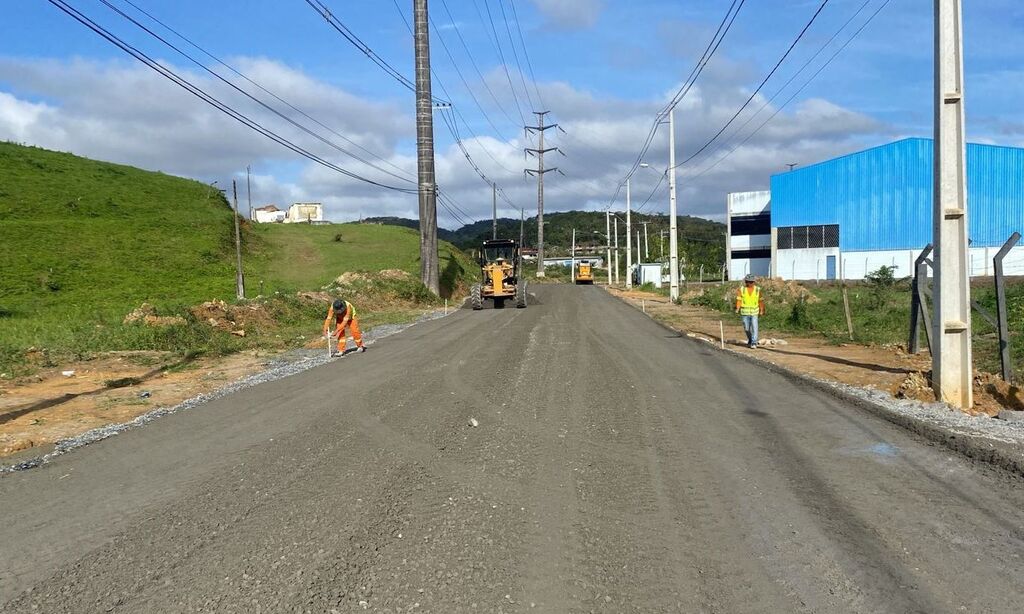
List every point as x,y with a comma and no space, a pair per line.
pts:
980,437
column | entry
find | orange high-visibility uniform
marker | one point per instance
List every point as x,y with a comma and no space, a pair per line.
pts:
344,320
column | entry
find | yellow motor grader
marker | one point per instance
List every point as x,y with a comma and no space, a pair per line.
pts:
584,272
501,271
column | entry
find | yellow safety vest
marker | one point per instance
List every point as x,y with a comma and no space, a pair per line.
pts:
750,302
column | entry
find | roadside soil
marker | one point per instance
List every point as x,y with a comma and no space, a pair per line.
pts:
115,387
47,407
887,368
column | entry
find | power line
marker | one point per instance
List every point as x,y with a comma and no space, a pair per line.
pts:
798,91
798,72
501,56
759,87
465,46
526,54
458,71
709,51
515,54
350,36
454,108
257,85
206,97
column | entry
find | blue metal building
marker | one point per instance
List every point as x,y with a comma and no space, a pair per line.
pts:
851,215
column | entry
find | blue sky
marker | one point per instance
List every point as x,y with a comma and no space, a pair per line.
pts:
603,67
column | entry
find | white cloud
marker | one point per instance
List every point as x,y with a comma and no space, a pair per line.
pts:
126,113
570,14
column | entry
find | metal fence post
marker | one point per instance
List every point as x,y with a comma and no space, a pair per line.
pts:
918,308
1004,328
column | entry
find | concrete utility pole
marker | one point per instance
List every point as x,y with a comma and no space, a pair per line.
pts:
951,355
647,246
522,225
673,240
638,258
538,153
248,188
239,276
616,222
608,239
494,211
629,239
429,268
572,267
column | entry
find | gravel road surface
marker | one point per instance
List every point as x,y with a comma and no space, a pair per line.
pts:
616,467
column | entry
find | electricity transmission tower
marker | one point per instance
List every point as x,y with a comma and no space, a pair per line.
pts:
429,268
539,172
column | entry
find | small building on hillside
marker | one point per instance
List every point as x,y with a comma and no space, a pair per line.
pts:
305,213
268,214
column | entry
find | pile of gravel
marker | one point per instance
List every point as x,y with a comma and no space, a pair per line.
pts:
289,363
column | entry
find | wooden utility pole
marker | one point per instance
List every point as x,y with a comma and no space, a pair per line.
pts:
239,276
429,268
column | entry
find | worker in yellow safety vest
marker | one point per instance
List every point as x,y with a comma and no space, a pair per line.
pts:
750,305
343,315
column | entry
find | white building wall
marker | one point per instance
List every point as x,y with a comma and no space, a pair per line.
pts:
268,217
741,267
748,203
810,264
750,241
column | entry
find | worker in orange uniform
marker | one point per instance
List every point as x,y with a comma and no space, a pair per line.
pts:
750,305
344,316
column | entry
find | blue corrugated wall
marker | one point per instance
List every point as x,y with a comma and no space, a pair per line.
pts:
882,197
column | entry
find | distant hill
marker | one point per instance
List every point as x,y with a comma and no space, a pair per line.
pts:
701,241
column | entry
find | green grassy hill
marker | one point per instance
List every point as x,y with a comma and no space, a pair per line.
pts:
701,241
82,237
86,242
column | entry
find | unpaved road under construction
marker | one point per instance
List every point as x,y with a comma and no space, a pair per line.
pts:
616,468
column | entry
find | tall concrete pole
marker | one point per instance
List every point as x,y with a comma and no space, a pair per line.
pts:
239,276
494,211
616,223
647,246
673,240
572,266
951,353
638,258
429,268
608,238
248,188
629,239
522,225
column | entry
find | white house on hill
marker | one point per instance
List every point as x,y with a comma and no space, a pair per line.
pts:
268,215
305,213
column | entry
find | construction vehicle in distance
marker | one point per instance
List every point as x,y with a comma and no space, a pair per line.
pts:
584,272
501,270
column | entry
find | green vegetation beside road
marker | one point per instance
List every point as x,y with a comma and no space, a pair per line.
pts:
85,242
879,309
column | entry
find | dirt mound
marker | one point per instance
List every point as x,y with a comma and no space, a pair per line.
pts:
350,278
233,318
314,297
1002,394
788,291
916,386
395,274
146,314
